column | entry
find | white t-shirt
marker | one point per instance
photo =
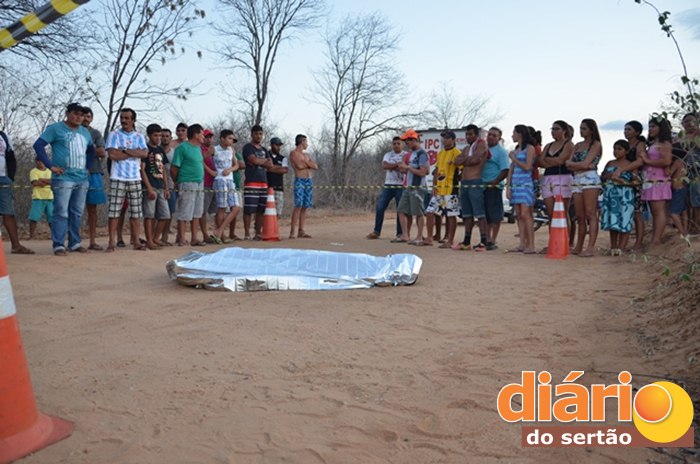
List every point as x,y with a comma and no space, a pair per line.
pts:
393,177
3,162
223,159
169,156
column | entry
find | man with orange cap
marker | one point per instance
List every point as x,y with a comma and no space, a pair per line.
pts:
412,201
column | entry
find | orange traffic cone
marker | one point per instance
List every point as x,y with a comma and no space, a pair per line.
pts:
271,230
558,247
23,430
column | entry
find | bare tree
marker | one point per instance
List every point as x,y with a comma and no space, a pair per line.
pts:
253,31
15,101
26,108
446,108
136,35
359,86
52,44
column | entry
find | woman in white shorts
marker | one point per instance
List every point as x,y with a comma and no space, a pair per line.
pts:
586,186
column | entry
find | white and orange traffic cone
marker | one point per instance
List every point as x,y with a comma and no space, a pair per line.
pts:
23,430
558,247
271,230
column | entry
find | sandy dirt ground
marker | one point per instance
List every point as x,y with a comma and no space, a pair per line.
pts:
152,372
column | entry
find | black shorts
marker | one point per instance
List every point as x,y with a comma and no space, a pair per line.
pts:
493,205
254,199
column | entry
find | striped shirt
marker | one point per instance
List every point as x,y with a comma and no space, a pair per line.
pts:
130,168
68,149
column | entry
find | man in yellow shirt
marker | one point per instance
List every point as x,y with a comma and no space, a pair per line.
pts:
445,197
42,197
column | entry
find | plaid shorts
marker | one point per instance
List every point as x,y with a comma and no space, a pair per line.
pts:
226,195
118,190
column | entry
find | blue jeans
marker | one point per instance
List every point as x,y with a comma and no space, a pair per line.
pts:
388,192
68,205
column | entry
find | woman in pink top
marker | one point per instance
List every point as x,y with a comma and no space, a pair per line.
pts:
656,188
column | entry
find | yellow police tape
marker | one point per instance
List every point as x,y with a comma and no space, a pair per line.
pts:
643,184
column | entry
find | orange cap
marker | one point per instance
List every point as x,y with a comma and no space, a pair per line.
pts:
410,134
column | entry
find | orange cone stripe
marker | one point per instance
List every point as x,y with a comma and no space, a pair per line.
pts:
7,299
270,226
23,430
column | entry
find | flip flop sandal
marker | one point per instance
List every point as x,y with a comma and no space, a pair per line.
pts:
215,239
110,249
398,240
95,247
304,235
200,243
22,250
60,253
79,250
445,245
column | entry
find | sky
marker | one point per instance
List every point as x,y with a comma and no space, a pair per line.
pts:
536,61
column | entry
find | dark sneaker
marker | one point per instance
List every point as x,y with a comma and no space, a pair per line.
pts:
490,246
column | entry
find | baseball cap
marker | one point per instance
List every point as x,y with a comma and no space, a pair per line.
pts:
276,141
410,134
75,107
208,133
448,134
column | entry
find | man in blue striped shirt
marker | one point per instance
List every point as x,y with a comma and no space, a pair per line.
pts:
126,147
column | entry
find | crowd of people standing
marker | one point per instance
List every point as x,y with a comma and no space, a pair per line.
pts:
156,177
153,178
658,175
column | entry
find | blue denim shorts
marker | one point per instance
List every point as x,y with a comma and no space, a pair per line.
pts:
96,190
7,207
471,196
678,200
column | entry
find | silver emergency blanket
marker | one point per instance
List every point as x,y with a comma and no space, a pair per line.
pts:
254,269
